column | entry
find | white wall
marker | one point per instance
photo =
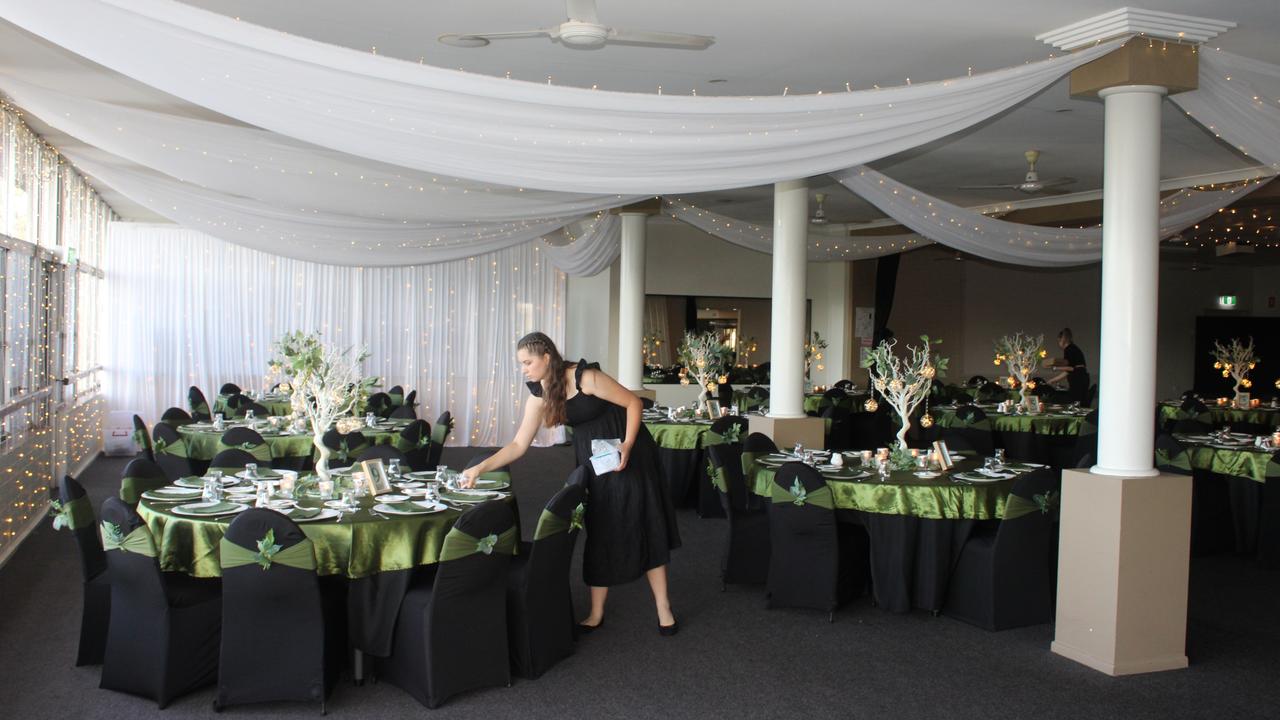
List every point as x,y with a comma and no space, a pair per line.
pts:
591,319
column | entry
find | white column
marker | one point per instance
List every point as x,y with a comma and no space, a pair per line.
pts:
786,354
631,301
1130,276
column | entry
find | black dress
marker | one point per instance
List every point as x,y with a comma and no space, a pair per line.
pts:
630,522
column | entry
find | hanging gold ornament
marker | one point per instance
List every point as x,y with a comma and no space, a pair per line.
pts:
926,420
870,405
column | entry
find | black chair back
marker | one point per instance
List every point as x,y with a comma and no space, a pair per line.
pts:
345,447
977,381
171,452
974,430
229,389
385,453
404,412
746,554
395,391
273,617
845,385
839,430
199,406
804,564
237,436
142,437
411,400
233,460
140,475
722,424
235,401
243,409
176,417
1086,441
380,404
539,602
415,442
78,517
991,393
439,435
759,443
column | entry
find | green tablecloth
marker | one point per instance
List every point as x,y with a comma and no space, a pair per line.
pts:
1246,462
1226,415
678,435
1047,423
362,544
203,444
275,404
905,494
813,402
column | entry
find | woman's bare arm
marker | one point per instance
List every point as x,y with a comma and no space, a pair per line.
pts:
513,450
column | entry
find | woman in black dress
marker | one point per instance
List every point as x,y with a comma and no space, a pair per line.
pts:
630,522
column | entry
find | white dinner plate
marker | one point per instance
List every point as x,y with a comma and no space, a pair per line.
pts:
926,474
325,514
470,496
263,474
392,497
193,509
427,508
407,485
422,475
978,478
198,482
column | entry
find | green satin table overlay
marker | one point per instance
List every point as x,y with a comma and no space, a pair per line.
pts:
1043,424
1226,415
204,444
361,545
678,435
1246,462
275,405
905,494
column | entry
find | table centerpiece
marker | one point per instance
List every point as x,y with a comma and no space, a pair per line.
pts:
903,382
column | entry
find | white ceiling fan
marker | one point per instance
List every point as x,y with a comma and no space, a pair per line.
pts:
819,216
583,30
1031,184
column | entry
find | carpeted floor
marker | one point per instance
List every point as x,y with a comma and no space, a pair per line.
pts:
732,658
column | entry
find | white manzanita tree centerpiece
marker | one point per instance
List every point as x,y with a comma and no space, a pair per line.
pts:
704,358
1235,360
903,382
1022,355
327,384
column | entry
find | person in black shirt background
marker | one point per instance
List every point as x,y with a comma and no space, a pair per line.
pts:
1073,367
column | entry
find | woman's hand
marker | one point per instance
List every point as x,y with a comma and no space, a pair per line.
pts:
467,478
626,455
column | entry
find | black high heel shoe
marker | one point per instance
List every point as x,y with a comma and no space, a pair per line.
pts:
588,629
669,630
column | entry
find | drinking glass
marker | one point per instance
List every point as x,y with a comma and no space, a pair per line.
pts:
251,470
441,472
264,495
248,415
393,467
358,484
799,449
990,464
370,419
349,498
883,471
218,421
212,491
288,482
733,409
999,456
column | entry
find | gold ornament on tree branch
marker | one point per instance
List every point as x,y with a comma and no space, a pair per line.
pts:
1021,354
903,382
1235,360
706,359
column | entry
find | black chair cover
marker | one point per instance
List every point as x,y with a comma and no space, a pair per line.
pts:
380,404
746,553
235,458
725,395
805,567
404,412
708,496
259,411
1086,441
142,437
540,620
1005,579
96,611
229,389
411,400
282,638
991,393
840,433
174,466
235,401
978,438
417,454
140,475
162,640
385,453
758,443
345,447
451,634
977,381
395,390
646,403
176,417
844,385
437,447
199,406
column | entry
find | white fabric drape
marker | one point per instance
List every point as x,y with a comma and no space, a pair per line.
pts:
821,248
1236,101
586,247
510,132
1011,242
189,309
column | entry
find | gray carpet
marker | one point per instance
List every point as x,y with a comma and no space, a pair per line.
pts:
731,659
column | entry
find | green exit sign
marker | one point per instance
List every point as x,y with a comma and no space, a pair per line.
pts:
1227,302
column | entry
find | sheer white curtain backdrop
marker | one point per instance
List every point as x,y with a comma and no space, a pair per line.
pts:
510,132
1237,101
189,309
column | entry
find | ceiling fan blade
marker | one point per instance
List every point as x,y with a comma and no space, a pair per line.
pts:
1057,182
989,187
666,39
1050,190
582,11
482,39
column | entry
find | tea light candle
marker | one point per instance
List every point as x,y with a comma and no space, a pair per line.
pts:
1275,439
288,481
915,452
866,457
1255,402
326,489
1222,401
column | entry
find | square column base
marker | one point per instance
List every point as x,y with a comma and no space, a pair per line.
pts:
786,432
646,394
1122,572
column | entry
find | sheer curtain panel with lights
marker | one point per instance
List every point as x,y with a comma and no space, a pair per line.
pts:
447,330
52,225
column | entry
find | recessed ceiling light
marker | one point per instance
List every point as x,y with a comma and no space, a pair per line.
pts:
718,80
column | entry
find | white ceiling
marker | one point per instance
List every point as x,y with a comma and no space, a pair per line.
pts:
761,47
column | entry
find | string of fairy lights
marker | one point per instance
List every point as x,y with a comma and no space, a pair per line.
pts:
50,314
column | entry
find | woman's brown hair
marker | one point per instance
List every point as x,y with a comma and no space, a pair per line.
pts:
553,398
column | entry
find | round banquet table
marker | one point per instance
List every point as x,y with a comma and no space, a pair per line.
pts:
917,526
1236,497
275,403
1048,437
374,555
202,440
1263,419
681,446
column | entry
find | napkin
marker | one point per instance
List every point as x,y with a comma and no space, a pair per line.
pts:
406,507
302,513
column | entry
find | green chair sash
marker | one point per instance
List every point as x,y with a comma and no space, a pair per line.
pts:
797,495
72,515
300,556
138,542
1018,506
551,524
397,399
458,544
405,446
1179,461
440,433
749,463
261,453
717,477
201,410
177,448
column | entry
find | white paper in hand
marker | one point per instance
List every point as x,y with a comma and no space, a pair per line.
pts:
606,455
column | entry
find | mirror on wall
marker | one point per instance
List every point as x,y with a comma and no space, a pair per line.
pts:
742,324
